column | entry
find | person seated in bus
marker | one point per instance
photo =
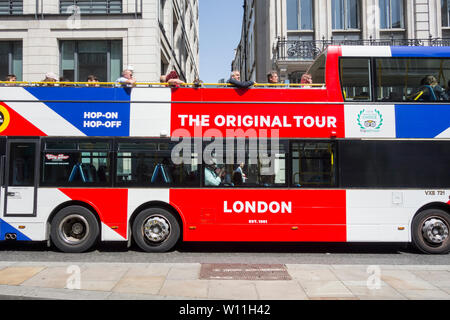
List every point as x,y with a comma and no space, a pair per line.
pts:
62,79
272,77
11,78
235,81
49,77
198,83
93,81
429,91
239,176
172,79
213,176
127,79
306,79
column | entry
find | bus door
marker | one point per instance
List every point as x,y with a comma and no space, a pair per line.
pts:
21,177
2,173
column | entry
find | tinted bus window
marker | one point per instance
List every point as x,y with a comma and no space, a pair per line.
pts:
71,163
313,164
394,164
411,79
75,168
355,79
245,163
150,164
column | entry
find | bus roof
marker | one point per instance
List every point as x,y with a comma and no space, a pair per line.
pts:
395,51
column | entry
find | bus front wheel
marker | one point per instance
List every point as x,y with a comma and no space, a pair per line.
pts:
156,230
74,229
430,231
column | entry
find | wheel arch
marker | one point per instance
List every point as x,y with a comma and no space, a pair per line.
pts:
159,204
68,204
433,205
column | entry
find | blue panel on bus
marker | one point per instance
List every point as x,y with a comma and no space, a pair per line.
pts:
433,52
105,116
421,121
7,228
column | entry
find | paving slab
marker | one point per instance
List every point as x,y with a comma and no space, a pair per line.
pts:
232,290
326,289
15,276
306,274
186,271
405,280
425,294
185,288
139,284
382,293
280,290
50,277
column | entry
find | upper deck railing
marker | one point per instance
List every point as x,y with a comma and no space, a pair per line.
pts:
150,85
299,50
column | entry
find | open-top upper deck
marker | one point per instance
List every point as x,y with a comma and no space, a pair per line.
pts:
358,92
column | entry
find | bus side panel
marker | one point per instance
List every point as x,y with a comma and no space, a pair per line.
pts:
262,215
386,215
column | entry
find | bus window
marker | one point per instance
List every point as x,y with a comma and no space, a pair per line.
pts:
246,163
313,164
149,164
76,164
355,79
405,79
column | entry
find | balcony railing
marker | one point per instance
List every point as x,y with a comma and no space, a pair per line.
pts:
11,7
298,50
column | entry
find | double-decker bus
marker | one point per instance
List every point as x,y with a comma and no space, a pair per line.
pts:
361,155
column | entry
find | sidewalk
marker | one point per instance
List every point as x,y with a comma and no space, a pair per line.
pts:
191,281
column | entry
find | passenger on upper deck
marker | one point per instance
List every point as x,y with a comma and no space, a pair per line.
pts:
93,81
235,80
306,79
172,79
50,77
272,77
11,78
127,78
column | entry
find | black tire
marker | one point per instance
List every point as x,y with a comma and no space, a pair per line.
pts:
435,221
156,230
74,229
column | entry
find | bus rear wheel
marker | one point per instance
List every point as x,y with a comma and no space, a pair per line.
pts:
156,230
74,229
430,231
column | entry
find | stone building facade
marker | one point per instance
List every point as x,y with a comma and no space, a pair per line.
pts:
286,35
74,38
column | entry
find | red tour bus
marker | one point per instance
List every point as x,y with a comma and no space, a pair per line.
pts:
361,155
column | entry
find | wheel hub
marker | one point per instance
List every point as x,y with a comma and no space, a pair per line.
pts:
156,229
74,229
77,228
435,230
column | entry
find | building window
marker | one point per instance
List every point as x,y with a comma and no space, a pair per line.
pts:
102,58
445,13
92,6
300,14
345,14
11,59
162,4
10,7
391,14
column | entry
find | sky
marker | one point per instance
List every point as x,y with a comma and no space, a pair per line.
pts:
220,33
